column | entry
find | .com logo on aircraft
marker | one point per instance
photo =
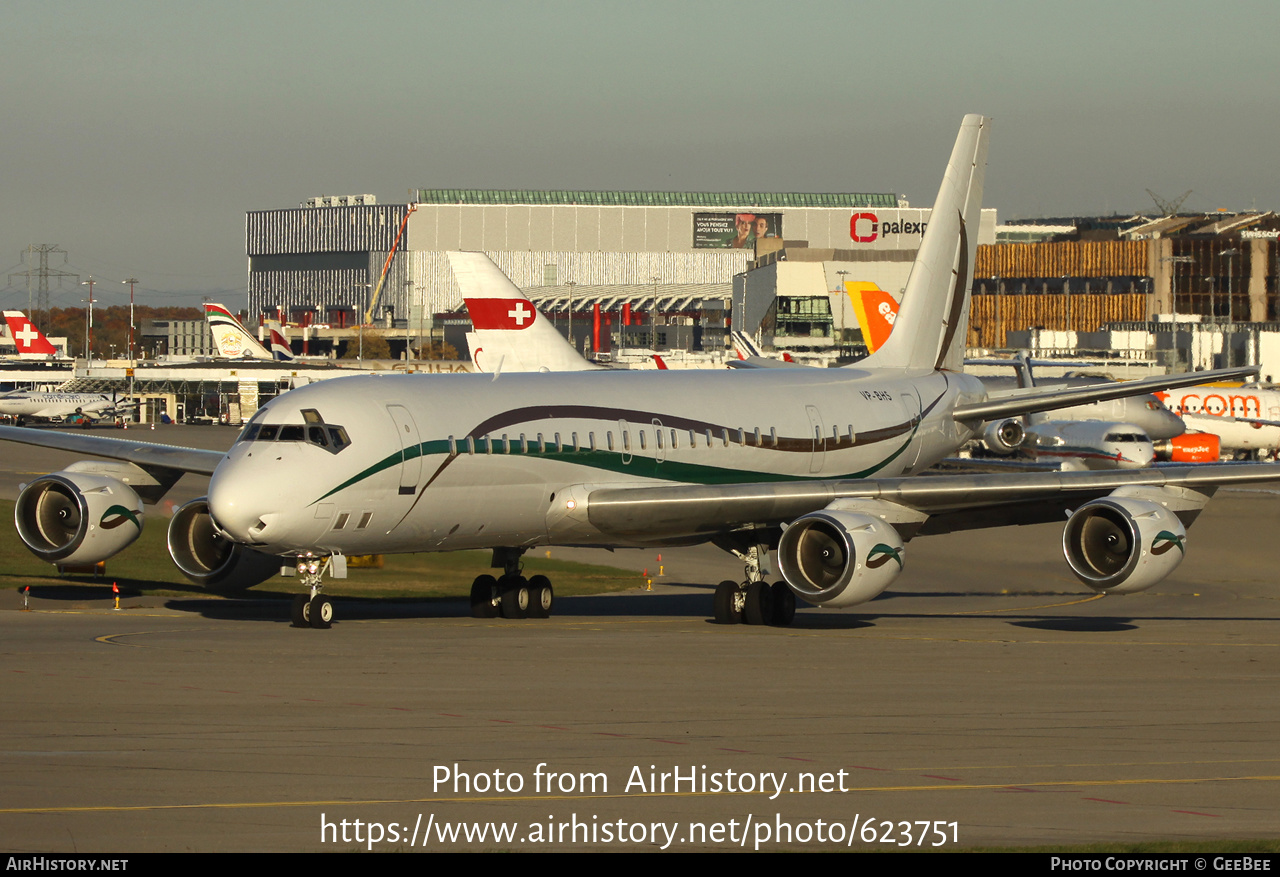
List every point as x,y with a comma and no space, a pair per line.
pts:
866,227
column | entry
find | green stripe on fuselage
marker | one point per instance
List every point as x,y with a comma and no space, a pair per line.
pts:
613,461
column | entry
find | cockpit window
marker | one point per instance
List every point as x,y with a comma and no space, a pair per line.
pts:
1127,437
315,432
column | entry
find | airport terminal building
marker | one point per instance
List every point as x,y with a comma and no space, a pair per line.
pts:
669,256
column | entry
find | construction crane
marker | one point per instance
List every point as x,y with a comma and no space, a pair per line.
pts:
386,266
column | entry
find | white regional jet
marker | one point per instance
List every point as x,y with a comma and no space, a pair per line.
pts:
21,404
813,461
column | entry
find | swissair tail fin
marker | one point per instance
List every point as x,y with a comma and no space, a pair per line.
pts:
232,339
932,322
509,331
29,340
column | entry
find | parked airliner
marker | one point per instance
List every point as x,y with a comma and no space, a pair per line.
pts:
814,462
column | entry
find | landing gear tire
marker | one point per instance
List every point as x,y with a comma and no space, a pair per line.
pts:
784,604
541,596
759,605
482,591
515,597
321,612
727,609
301,612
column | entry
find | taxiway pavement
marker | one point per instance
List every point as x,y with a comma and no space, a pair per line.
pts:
987,689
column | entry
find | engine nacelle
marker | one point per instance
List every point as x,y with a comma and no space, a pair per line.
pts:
1004,436
74,518
1122,545
207,557
839,558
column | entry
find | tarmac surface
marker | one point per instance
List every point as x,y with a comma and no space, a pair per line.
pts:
986,695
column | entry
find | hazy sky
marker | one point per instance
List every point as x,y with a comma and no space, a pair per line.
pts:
139,133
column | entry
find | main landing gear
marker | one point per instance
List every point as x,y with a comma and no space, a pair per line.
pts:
314,609
754,601
511,595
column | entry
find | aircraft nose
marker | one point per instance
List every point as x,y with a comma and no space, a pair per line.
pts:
237,508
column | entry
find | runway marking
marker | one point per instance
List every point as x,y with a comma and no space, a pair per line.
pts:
495,799
112,639
1089,599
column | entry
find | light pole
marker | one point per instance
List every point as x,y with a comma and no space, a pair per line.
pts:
88,326
364,306
408,319
571,284
1231,263
132,281
653,313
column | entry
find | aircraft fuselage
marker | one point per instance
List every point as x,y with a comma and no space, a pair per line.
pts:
441,462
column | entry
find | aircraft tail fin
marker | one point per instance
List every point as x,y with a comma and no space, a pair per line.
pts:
744,347
280,349
875,310
29,340
932,322
508,328
230,337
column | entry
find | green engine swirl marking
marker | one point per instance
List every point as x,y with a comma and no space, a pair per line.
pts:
117,515
881,554
1166,541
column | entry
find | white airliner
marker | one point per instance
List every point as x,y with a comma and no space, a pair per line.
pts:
21,404
816,462
1245,418
234,341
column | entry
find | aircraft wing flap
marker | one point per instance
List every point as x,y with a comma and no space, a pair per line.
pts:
953,502
145,454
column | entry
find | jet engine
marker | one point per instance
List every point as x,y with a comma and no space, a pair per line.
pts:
1122,545
74,518
209,558
839,558
1004,436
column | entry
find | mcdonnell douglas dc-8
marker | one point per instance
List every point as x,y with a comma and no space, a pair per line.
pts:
814,462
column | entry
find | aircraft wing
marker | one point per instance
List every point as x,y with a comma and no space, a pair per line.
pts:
146,455
763,362
1029,401
929,503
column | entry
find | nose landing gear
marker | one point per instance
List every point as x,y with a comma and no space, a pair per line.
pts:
314,609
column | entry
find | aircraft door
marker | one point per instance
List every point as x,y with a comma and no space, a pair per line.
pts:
410,449
910,403
818,435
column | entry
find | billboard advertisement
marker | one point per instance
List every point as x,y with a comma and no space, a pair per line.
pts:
724,231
